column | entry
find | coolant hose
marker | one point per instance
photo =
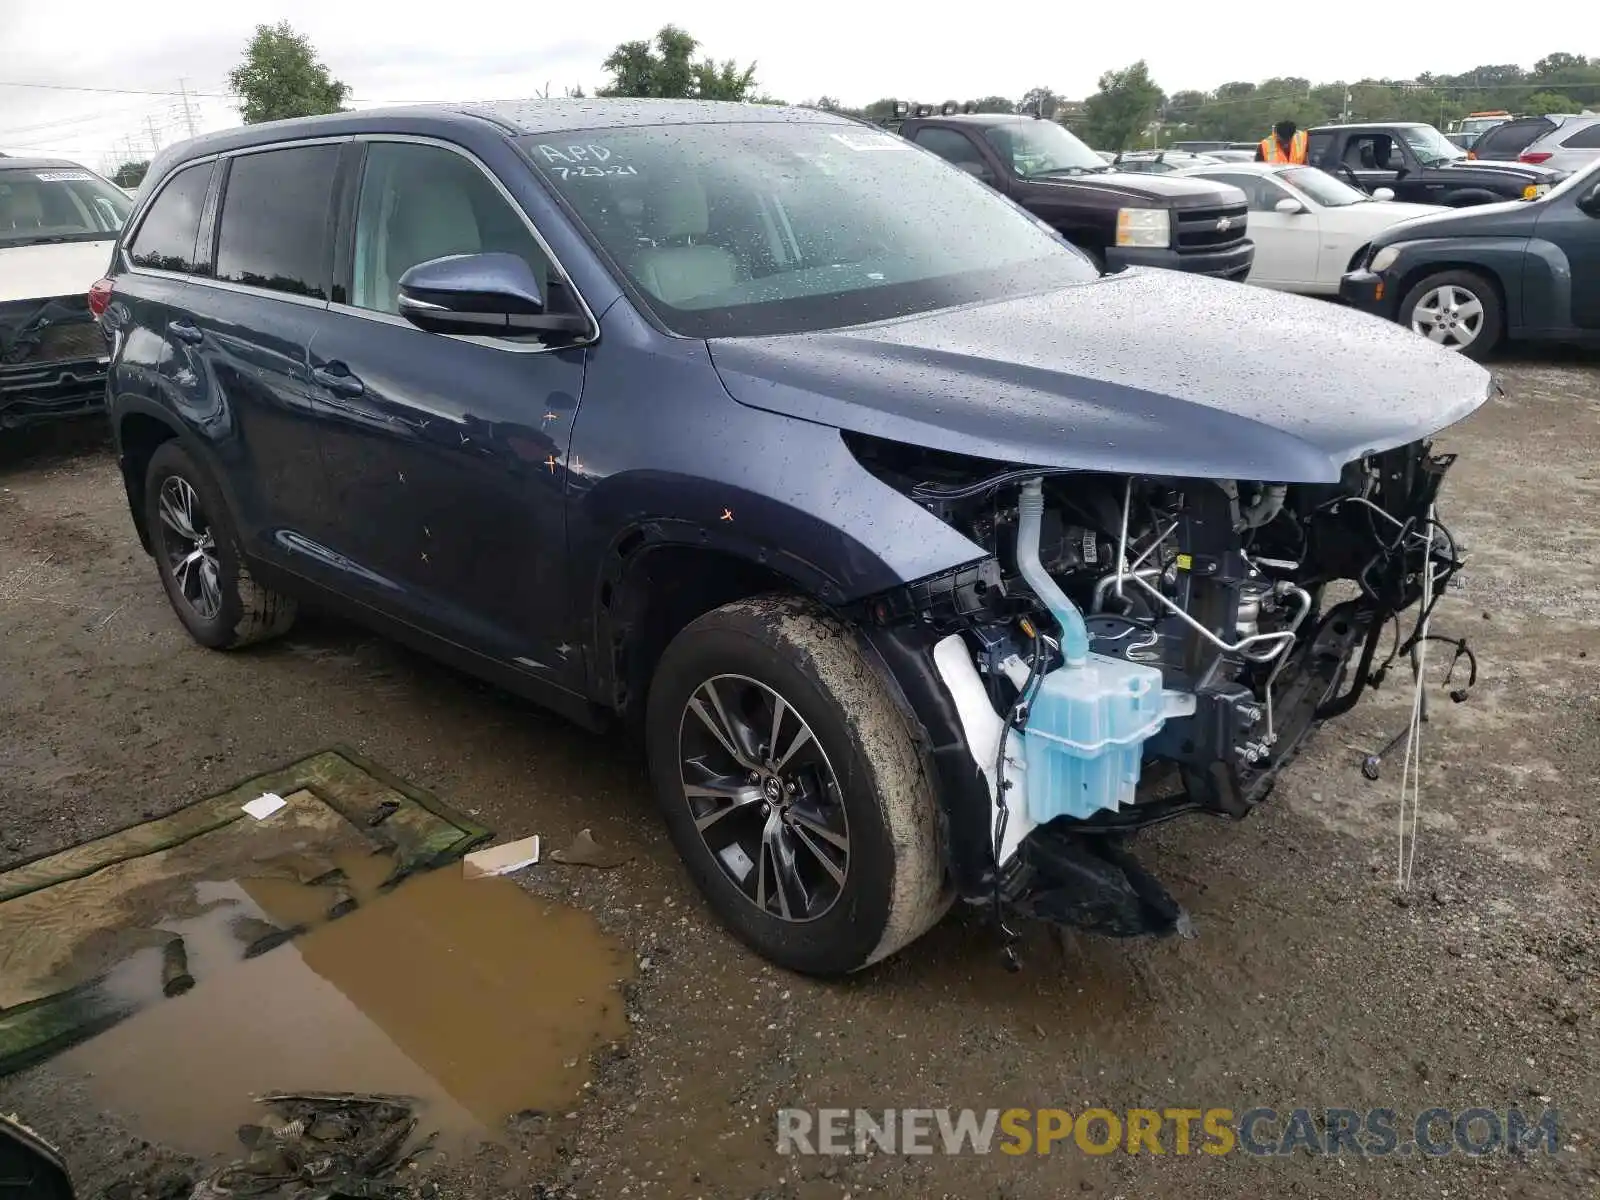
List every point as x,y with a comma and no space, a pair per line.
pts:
1030,514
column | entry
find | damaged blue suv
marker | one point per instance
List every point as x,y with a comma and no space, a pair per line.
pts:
925,562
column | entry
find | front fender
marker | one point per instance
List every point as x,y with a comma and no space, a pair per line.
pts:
659,444
1499,257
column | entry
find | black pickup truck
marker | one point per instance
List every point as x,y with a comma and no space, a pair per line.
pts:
1421,166
1120,219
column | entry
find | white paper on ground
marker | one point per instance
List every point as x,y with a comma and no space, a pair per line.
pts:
501,859
265,805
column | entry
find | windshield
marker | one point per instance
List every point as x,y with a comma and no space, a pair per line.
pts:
1322,187
1042,148
1429,145
767,227
60,204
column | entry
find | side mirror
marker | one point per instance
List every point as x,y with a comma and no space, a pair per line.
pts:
1590,201
1383,194
1289,206
978,170
30,1168
494,294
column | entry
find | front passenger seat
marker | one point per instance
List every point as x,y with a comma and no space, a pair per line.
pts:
680,266
431,219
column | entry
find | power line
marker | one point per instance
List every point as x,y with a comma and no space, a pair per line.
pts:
88,119
68,87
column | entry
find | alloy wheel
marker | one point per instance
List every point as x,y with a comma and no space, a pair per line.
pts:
764,797
1449,315
190,547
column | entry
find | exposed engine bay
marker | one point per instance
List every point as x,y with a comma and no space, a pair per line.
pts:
1214,625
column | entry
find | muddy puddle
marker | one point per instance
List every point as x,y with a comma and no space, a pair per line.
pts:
473,997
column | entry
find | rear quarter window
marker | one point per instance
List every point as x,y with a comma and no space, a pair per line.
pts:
1587,138
166,238
276,214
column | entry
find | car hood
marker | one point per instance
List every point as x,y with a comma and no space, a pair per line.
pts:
1510,218
1483,167
1143,372
1150,191
44,272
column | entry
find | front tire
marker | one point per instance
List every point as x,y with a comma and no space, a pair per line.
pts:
1459,310
197,553
792,787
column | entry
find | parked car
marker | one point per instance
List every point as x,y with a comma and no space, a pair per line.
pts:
1118,218
1417,163
769,439
1559,140
1160,162
1475,125
1568,144
1527,271
57,225
1309,228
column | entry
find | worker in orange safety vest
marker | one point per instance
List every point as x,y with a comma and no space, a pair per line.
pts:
1286,144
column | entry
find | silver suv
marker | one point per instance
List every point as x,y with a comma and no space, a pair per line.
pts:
1563,141
1572,145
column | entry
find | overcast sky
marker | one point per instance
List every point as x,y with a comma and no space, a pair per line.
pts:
484,49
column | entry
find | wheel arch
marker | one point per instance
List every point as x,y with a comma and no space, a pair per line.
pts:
1417,274
139,432
655,581
1466,197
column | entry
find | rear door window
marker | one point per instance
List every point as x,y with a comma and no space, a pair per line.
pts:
1319,149
166,237
276,217
954,147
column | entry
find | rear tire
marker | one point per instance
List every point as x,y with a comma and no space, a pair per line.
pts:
1459,310
197,553
792,787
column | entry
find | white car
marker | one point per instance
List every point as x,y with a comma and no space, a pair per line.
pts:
1308,227
58,222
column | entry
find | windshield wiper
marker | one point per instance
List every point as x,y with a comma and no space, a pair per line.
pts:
54,239
1070,171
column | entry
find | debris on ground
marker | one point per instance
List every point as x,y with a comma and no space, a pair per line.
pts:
322,1146
586,852
502,859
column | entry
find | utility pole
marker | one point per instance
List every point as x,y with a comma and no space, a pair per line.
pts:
188,113
155,140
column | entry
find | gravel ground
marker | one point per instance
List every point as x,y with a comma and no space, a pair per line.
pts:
1311,982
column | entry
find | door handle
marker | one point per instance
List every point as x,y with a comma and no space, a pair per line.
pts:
186,331
337,378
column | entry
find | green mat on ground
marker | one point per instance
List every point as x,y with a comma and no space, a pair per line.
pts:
72,922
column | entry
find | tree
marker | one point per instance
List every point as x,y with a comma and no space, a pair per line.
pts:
1550,102
993,104
281,76
666,67
130,174
1552,65
1042,100
1127,101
